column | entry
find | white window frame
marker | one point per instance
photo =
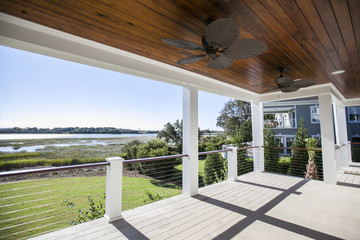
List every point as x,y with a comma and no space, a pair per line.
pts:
285,137
311,115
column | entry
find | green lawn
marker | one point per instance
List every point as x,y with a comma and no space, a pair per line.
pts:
36,206
201,167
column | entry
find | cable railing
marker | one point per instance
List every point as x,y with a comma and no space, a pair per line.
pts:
296,164
212,167
245,157
355,151
148,180
48,199
56,197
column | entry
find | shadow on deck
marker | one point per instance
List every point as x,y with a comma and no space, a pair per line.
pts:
257,206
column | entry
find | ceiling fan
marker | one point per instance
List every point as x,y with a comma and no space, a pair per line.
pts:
287,84
221,44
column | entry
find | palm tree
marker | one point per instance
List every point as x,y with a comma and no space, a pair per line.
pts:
311,168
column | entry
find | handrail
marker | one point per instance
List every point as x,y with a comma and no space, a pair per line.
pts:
155,158
338,146
51,169
355,143
245,148
305,149
216,151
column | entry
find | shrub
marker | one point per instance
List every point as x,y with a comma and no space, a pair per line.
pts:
284,163
151,197
271,154
299,158
156,148
215,169
213,142
245,165
95,210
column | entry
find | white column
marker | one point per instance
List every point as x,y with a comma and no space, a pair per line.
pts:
232,164
257,117
341,133
190,141
327,138
113,189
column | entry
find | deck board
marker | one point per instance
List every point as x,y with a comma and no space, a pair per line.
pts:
351,175
257,206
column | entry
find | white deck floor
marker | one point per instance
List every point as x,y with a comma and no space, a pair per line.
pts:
258,206
351,176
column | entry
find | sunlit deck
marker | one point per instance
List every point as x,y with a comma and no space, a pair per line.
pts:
351,175
257,206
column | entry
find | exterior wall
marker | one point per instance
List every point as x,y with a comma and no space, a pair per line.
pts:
353,130
304,112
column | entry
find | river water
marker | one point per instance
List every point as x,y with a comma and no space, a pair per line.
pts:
83,139
54,136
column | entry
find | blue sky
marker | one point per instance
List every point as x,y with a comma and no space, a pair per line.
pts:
40,91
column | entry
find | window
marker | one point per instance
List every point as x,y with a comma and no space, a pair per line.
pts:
315,114
289,142
353,114
285,142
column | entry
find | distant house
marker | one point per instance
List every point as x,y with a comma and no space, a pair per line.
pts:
284,116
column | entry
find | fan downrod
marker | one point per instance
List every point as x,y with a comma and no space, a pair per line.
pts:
281,69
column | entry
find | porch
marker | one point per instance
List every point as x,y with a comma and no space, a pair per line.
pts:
255,206
258,205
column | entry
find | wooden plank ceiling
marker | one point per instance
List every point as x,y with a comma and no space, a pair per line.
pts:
309,38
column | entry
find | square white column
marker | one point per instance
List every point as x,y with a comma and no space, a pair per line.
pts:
327,138
257,118
190,141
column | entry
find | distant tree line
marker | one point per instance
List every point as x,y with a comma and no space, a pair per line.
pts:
76,130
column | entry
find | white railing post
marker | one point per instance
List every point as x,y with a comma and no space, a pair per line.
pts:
349,159
232,164
341,133
113,189
338,158
258,159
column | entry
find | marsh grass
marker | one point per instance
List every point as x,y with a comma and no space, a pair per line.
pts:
62,155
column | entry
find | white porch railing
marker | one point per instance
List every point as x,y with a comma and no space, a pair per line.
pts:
281,123
114,177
